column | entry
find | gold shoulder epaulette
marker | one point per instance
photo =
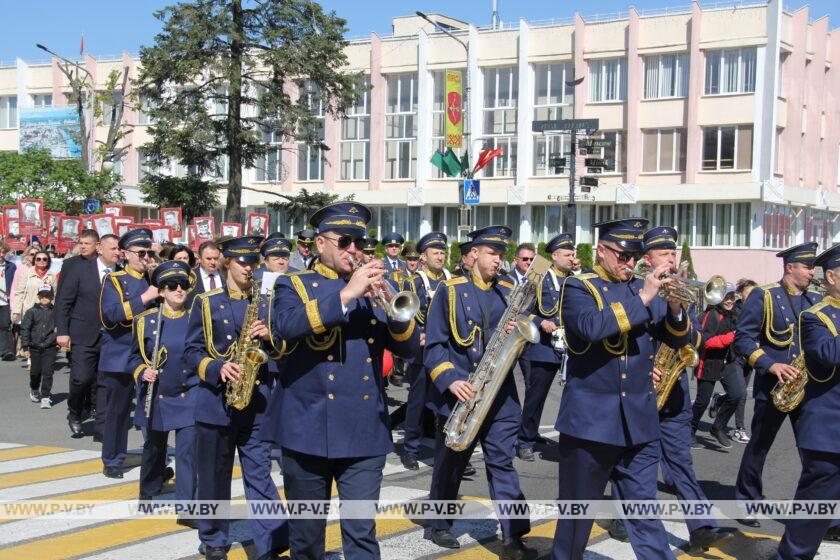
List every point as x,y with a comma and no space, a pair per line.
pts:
456,281
506,284
300,272
585,276
206,295
766,287
147,312
118,273
816,307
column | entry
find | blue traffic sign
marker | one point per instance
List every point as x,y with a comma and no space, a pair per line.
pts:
472,191
90,206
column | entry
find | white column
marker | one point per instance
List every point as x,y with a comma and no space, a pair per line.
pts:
756,224
425,220
424,111
525,110
767,84
23,99
525,224
476,101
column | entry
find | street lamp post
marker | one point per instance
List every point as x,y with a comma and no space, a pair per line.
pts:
571,210
464,210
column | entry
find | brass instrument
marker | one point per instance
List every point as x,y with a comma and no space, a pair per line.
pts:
400,307
671,362
787,396
248,356
686,290
502,351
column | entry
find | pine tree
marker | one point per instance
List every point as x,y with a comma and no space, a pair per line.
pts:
685,255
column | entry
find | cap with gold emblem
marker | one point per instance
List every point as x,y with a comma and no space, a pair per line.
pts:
244,249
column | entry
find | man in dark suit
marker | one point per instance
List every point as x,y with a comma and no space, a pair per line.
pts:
7,272
207,275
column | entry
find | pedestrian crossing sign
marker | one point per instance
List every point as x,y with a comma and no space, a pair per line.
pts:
472,191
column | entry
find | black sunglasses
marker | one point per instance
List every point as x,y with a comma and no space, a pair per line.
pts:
142,253
625,256
344,241
42,259
173,285
526,259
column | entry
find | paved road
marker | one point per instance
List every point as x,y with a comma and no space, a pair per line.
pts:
38,459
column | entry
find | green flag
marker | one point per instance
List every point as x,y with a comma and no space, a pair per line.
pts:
465,162
447,162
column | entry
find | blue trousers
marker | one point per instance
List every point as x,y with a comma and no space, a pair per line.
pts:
497,437
154,462
767,420
415,406
820,480
215,446
308,477
118,390
585,468
537,386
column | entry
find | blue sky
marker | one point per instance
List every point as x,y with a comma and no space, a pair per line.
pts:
113,26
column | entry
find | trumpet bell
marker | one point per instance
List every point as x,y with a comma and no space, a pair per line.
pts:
714,290
403,306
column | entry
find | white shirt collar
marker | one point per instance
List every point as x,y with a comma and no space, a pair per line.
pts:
101,267
206,275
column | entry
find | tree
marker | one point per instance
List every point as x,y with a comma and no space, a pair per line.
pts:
302,205
195,196
217,80
584,255
61,183
685,255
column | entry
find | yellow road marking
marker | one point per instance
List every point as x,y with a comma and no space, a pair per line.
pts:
540,538
57,472
743,545
29,452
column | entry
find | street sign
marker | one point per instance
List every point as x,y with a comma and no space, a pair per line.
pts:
595,170
589,181
565,125
595,143
90,206
557,162
472,191
597,162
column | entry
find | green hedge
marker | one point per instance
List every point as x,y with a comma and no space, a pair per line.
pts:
584,254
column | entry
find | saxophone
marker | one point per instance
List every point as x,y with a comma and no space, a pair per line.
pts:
787,396
248,356
671,362
502,351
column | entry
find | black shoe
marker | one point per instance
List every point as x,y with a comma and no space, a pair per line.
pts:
723,439
97,438
469,470
215,553
617,531
410,462
526,454
832,535
694,443
514,549
168,474
701,540
713,408
75,428
112,472
749,521
445,538
191,523
8,357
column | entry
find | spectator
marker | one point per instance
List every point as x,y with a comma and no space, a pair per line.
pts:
717,363
182,253
26,292
525,253
22,269
7,274
38,339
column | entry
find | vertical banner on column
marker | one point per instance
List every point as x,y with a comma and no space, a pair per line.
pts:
454,109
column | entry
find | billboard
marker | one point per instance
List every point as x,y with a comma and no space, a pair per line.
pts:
52,128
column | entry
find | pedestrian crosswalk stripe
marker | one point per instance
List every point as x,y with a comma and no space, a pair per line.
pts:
66,485
58,472
27,452
46,461
11,445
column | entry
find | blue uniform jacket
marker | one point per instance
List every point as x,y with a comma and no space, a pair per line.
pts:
175,394
331,399
611,339
818,425
768,331
547,307
390,269
212,338
119,304
415,284
455,332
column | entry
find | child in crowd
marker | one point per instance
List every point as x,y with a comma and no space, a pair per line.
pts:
38,339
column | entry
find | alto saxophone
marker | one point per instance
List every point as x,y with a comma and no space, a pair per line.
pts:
787,395
670,362
502,351
248,356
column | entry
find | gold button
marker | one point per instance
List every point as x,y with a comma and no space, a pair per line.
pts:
368,360
154,332
606,289
257,382
475,364
365,398
160,396
314,284
475,349
221,306
330,396
470,322
331,377
623,394
225,321
330,358
229,337
365,378
370,340
465,294
183,395
373,321
621,358
624,376
152,321
650,357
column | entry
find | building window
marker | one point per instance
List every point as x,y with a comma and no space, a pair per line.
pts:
615,156
704,224
608,79
780,226
143,165
439,120
666,75
40,100
727,148
547,148
505,164
355,137
501,94
730,71
401,127
551,95
310,156
8,111
663,150
269,166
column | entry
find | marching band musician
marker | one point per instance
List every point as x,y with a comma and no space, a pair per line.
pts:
216,320
818,424
660,248
393,242
465,263
332,385
303,257
368,249
425,283
173,396
608,422
543,359
275,252
125,294
459,324
412,258
767,335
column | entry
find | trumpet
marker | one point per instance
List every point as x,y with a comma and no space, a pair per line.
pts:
400,307
686,290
